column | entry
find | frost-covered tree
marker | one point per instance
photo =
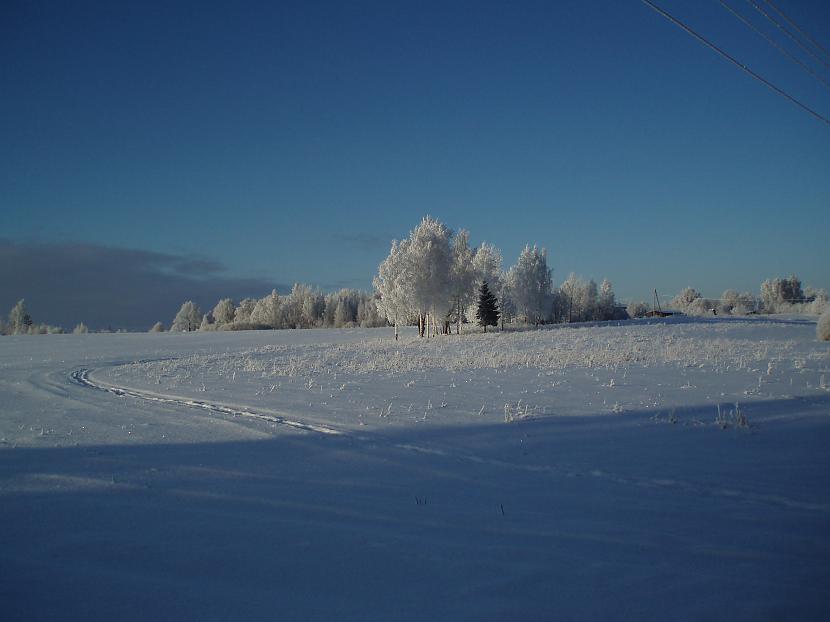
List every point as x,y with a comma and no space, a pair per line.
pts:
311,305
341,308
487,264
793,291
607,304
566,295
507,307
702,306
817,300
341,314
395,297
301,308
778,295
570,293
80,329
691,302
771,295
223,312
188,318
823,326
728,301
530,284
328,312
19,319
683,301
367,312
733,303
242,314
580,299
416,278
487,313
207,323
268,311
744,304
559,305
586,301
348,307
158,327
431,255
463,276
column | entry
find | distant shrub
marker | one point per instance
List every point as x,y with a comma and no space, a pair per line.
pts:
823,326
158,327
733,303
80,329
818,301
690,302
701,306
684,299
778,295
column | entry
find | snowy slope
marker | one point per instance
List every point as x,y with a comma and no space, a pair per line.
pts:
614,491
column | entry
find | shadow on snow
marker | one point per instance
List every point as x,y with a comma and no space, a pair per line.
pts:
623,516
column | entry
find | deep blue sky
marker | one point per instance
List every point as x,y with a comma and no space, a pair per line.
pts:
291,141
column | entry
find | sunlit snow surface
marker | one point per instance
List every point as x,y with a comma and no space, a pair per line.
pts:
666,470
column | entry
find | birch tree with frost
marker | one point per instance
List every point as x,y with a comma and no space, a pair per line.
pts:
530,284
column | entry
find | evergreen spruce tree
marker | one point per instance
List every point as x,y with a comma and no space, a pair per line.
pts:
488,310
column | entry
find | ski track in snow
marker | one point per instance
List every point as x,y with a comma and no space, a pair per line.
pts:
82,378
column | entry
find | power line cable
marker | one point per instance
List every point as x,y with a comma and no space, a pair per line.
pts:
734,61
783,29
775,44
801,32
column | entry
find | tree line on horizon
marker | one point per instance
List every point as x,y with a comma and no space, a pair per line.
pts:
20,322
779,295
304,307
435,279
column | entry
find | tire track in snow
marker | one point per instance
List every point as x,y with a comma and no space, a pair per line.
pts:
81,377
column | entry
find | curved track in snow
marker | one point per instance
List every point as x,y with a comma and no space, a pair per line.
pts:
82,377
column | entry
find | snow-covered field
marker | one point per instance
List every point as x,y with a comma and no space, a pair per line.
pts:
665,470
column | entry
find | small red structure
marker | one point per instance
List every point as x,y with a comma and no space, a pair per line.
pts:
656,311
